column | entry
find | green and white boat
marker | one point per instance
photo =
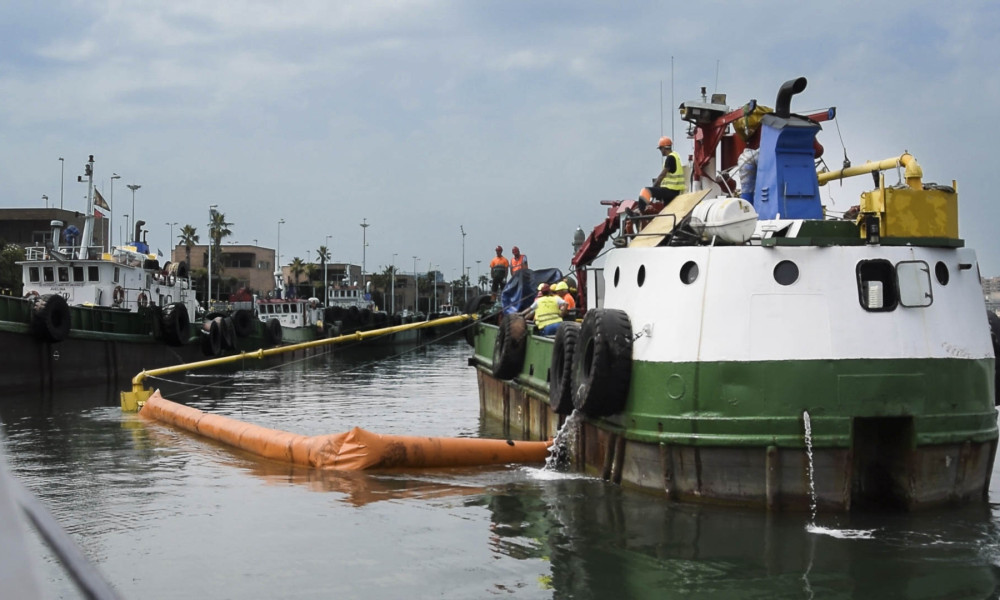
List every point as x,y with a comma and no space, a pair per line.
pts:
753,350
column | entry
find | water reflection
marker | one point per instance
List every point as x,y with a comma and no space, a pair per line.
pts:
166,514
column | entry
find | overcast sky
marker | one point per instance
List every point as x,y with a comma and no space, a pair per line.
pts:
510,119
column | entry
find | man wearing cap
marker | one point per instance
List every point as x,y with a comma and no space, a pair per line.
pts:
498,271
549,310
670,182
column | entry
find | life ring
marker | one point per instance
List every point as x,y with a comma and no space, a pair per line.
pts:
474,306
602,369
272,332
50,318
32,295
176,324
561,368
118,296
508,350
142,300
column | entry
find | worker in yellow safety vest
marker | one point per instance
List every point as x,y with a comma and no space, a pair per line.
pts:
549,310
670,182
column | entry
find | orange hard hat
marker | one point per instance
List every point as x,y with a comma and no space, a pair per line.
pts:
665,142
646,195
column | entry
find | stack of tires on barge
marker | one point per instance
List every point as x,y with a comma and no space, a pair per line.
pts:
752,350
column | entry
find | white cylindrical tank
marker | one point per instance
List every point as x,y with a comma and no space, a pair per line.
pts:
730,219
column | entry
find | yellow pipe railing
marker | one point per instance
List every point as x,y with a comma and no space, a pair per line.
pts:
912,173
132,401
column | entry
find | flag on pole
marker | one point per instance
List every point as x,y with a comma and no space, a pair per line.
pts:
99,200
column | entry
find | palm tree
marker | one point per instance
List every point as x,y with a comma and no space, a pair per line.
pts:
311,270
323,254
218,229
297,268
483,283
188,237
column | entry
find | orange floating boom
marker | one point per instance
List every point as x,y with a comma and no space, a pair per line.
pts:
354,450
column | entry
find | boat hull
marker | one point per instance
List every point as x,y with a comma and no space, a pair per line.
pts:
103,346
748,446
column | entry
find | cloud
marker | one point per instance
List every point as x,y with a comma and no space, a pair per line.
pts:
513,120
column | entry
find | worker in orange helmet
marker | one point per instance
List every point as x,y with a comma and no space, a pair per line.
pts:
670,182
498,270
519,261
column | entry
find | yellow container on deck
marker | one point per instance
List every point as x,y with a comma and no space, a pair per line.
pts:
906,212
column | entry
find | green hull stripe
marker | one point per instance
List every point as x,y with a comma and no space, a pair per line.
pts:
762,403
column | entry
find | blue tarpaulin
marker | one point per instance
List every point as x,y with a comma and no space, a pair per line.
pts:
523,287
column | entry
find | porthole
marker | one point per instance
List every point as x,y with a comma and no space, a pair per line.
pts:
641,277
941,272
786,272
617,275
689,272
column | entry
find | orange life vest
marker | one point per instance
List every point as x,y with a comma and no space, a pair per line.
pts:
517,263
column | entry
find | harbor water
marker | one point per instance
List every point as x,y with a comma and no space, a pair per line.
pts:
164,514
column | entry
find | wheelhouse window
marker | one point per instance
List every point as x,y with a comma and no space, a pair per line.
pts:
33,274
78,274
877,288
48,274
93,273
914,277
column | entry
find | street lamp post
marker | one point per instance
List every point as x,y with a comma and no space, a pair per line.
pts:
126,221
326,269
211,219
478,275
111,224
62,180
171,238
392,301
430,273
277,261
465,288
364,247
416,287
133,187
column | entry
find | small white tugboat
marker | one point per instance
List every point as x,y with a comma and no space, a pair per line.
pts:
91,315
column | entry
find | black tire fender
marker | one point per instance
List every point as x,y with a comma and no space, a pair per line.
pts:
50,318
176,324
228,332
508,351
243,323
472,307
211,338
994,322
561,368
602,367
272,332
